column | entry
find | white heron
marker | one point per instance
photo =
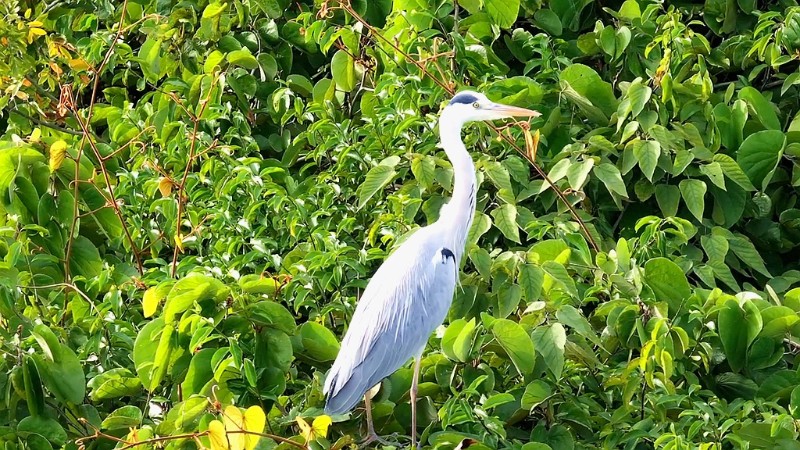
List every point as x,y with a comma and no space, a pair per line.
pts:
410,294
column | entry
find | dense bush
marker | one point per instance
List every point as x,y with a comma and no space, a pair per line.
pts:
193,194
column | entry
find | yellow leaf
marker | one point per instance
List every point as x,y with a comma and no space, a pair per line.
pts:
33,33
179,242
318,429
254,420
234,421
78,64
305,428
320,426
165,187
57,153
217,436
35,135
150,301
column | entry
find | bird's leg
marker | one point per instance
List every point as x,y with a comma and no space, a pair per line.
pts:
371,435
414,384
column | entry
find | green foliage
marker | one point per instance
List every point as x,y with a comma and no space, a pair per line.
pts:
194,194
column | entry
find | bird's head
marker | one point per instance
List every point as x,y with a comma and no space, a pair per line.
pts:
471,106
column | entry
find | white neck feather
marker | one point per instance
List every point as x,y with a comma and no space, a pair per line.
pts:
456,216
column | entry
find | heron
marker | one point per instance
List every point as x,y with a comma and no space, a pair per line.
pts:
410,294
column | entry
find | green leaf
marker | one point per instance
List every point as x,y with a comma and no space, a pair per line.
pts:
548,21
762,108
144,349
85,259
516,343
578,172
611,178
693,193
273,314
550,343
647,154
424,169
502,12
531,278
44,426
535,393
150,59
122,418
462,345
505,219
343,71
668,198
746,251
319,342
499,175
214,9
759,155
559,273
668,282
213,61
113,384
732,170
377,178
481,223
584,87
715,246
243,58
738,327
570,316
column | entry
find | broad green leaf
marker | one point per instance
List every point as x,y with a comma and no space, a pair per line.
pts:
732,170
738,327
578,172
572,317
561,276
550,343
44,426
503,12
150,59
714,173
424,169
535,393
113,384
668,198
668,282
715,246
273,314
759,154
611,178
505,219
243,58
462,345
85,258
647,154
124,417
762,108
343,71
319,342
214,9
583,86
377,178
499,175
481,223
530,278
693,193
516,343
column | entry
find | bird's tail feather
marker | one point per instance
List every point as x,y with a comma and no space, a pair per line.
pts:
345,398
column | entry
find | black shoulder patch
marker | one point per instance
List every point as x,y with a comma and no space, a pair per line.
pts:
447,253
465,98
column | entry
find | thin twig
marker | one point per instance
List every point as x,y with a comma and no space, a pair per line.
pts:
90,111
47,124
182,186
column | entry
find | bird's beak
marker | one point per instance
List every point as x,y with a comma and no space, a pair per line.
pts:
514,111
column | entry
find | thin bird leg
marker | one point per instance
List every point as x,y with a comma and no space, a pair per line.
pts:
414,384
371,435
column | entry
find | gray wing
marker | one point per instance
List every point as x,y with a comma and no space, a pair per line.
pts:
405,301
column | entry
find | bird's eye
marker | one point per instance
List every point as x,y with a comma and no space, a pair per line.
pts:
476,105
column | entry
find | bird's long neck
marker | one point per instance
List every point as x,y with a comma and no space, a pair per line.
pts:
456,216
